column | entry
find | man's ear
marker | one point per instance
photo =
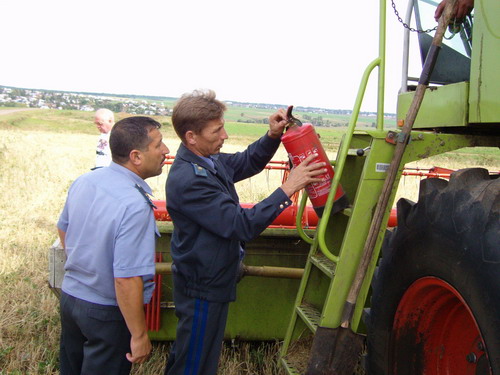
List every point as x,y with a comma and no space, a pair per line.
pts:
135,157
190,137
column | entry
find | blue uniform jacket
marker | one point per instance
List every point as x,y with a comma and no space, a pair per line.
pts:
209,223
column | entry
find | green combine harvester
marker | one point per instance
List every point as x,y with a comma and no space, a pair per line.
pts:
348,295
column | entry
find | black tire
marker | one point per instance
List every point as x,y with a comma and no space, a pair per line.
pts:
449,240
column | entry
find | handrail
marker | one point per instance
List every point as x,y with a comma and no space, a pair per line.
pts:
406,49
381,68
342,156
298,219
300,213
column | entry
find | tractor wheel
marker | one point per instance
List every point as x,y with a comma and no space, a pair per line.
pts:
436,295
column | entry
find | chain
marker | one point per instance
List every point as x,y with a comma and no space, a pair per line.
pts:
408,26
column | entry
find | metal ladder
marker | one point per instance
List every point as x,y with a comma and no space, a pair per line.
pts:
339,240
336,249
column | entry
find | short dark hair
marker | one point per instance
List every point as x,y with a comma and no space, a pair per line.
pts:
194,110
131,133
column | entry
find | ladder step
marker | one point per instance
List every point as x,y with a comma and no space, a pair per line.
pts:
290,370
347,211
324,264
310,316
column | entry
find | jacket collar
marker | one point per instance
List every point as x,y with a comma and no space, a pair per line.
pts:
187,155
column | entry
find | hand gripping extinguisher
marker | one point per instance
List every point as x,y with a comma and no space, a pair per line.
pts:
300,141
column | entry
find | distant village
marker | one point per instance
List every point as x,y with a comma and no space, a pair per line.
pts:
147,105
16,97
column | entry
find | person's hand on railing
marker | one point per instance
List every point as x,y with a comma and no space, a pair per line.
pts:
464,7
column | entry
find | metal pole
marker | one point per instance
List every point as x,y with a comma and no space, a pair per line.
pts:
260,271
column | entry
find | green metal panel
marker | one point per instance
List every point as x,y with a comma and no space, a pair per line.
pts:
442,106
364,203
264,305
425,144
485,80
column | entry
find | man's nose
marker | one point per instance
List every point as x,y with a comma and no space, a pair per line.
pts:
224,134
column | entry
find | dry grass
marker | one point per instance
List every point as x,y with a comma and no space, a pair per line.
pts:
36,171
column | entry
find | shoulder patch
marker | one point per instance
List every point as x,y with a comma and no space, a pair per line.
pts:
146,196
199,171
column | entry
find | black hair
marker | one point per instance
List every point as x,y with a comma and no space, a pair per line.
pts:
131,133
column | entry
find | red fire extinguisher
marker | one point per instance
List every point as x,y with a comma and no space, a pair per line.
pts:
300,141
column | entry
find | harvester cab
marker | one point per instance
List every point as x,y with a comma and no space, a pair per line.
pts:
465,85
453,63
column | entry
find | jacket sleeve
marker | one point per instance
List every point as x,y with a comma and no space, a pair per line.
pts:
202,201
251,161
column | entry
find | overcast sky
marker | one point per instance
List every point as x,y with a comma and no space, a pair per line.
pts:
305,53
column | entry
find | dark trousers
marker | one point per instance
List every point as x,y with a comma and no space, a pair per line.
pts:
200,331
94,339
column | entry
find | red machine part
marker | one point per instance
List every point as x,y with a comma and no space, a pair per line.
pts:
152,309
434,172
287,218
433,312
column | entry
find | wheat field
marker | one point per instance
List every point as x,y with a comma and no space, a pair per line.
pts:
36,169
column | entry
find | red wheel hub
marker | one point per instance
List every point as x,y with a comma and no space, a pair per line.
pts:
435,333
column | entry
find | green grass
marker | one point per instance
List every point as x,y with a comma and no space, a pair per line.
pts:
78,122
245,130
244,114
50,120
61,121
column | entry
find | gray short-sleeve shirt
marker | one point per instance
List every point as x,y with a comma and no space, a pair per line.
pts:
110,232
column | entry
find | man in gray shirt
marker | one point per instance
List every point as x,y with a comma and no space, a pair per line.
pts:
107,228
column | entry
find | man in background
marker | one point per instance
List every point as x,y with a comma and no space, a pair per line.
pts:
108,231
104,120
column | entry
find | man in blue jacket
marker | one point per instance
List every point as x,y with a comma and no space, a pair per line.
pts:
210,227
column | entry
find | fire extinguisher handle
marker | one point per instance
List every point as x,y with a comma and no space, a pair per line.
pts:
291,119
